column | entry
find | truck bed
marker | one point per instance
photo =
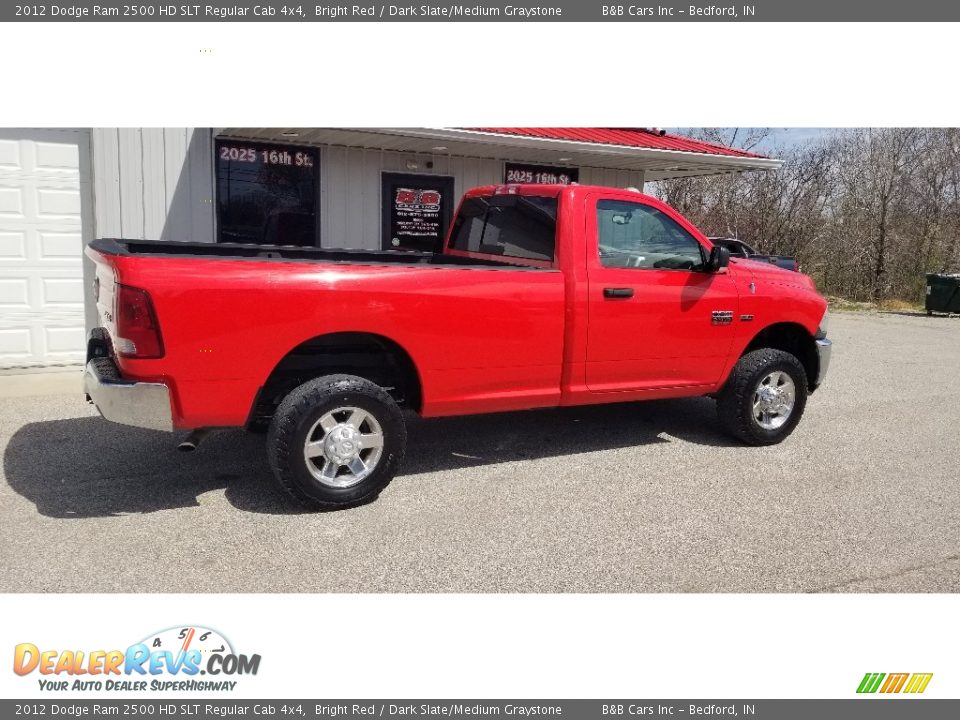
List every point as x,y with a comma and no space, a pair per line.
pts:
287,253
483,335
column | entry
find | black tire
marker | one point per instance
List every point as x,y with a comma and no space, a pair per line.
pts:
735,401
298,414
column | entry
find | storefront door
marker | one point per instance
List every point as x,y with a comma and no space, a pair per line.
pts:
416,211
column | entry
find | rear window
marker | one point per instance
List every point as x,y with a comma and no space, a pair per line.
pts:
515,226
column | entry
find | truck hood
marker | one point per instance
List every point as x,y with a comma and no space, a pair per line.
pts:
772,274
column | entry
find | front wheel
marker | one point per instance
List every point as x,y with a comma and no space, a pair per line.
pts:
764,398
336,441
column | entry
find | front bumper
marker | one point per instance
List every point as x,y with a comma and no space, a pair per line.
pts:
140,404
824,347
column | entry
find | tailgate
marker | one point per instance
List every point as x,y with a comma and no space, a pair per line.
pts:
104,289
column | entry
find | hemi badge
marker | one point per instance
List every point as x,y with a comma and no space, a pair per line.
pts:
721,317
746,318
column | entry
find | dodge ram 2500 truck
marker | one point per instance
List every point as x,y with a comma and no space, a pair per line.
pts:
543,296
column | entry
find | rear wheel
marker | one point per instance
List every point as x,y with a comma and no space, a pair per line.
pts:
764,398
336,441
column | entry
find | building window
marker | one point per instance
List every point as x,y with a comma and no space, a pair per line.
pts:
267,193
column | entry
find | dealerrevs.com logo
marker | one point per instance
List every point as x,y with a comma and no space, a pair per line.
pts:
172,659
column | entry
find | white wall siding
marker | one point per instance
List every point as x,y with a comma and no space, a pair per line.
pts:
105,161
197,191
153,183
350,182
130,141
611,178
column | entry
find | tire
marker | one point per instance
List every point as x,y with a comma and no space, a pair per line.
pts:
737,401
361,411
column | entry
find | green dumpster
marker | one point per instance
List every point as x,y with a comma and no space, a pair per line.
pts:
943,293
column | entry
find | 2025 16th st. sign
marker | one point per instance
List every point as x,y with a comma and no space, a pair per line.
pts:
524,174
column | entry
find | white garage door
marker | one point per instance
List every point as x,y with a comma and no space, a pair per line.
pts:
41,271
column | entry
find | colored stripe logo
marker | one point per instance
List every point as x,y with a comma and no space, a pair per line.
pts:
894,683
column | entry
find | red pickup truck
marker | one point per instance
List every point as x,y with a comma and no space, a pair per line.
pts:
543,296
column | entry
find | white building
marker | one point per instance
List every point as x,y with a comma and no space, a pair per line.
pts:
332,187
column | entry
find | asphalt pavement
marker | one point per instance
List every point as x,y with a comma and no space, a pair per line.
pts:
649,497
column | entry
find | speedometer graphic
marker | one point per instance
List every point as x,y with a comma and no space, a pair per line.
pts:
186,638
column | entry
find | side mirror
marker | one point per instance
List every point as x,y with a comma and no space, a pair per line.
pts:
719,258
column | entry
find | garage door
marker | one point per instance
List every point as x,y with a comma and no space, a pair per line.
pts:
41,272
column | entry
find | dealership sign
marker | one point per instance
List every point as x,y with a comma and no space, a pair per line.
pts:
416,212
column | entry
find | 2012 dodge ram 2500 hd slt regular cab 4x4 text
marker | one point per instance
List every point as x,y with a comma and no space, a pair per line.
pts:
543,296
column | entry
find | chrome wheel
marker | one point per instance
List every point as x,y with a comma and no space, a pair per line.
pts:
343,447
773,400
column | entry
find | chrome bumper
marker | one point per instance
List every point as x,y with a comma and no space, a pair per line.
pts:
824,346
140,404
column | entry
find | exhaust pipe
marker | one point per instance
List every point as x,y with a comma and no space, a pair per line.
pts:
194,439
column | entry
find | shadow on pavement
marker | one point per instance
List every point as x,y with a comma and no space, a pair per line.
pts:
918,313
87,467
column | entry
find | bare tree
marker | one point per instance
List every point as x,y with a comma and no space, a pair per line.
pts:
867,211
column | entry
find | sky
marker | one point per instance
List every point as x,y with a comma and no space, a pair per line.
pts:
787,137
779,137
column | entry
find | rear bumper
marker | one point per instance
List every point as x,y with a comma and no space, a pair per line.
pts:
824,347
140,404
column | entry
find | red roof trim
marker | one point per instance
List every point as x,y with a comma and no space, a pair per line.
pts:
629,137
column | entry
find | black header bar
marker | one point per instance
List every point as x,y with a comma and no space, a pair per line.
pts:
546,11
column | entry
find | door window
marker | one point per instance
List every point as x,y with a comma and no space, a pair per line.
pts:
634,235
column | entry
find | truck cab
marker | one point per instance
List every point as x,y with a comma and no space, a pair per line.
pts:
654,307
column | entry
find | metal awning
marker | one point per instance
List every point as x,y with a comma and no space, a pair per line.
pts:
671,157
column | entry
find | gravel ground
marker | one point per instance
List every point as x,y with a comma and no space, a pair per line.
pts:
649,497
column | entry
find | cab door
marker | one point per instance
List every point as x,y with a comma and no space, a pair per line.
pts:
656,317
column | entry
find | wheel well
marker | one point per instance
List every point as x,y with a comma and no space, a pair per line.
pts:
366,355
791,338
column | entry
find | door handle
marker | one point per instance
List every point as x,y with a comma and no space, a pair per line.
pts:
615,293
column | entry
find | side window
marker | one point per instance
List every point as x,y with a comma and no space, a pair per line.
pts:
633,235
515,226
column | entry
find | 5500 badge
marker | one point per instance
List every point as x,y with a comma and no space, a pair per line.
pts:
186,651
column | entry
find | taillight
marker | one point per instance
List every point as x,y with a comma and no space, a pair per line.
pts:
138,333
